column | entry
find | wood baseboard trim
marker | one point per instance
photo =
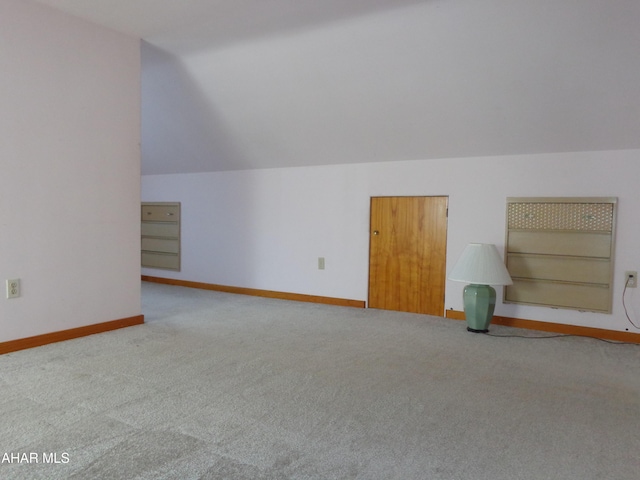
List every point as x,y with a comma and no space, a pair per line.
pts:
559,328
61,336
297,297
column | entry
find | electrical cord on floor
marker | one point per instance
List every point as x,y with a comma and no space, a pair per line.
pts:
524,336
560,336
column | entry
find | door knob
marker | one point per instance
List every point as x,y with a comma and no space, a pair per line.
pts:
376,232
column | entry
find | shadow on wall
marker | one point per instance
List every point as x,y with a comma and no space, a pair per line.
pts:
179,125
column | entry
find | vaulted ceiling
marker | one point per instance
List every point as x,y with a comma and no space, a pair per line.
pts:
240,84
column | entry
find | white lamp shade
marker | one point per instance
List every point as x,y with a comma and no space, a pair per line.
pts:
480,263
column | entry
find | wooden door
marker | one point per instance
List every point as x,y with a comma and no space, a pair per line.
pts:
408,241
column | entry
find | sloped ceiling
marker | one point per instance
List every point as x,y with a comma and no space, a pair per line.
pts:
242,84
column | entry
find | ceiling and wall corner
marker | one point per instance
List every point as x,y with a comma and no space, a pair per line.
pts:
424,81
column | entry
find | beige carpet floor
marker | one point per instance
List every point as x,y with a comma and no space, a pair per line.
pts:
221,386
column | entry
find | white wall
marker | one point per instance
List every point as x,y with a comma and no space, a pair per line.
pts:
266,228
70,170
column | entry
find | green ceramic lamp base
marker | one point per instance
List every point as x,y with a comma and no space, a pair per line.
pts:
479,304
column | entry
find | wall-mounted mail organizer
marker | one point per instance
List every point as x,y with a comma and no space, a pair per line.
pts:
560,251
160,229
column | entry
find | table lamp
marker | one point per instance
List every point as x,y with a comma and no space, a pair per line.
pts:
481,266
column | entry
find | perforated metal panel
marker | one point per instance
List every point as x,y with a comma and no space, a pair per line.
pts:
560,252
561,216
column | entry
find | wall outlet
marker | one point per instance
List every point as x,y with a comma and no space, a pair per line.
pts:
320,263
13,288
631,279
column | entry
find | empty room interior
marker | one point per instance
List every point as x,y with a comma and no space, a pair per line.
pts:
234,236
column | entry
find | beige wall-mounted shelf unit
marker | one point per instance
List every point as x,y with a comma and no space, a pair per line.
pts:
160,230
559,252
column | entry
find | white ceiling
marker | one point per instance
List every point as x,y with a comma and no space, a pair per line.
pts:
242,84
185,25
